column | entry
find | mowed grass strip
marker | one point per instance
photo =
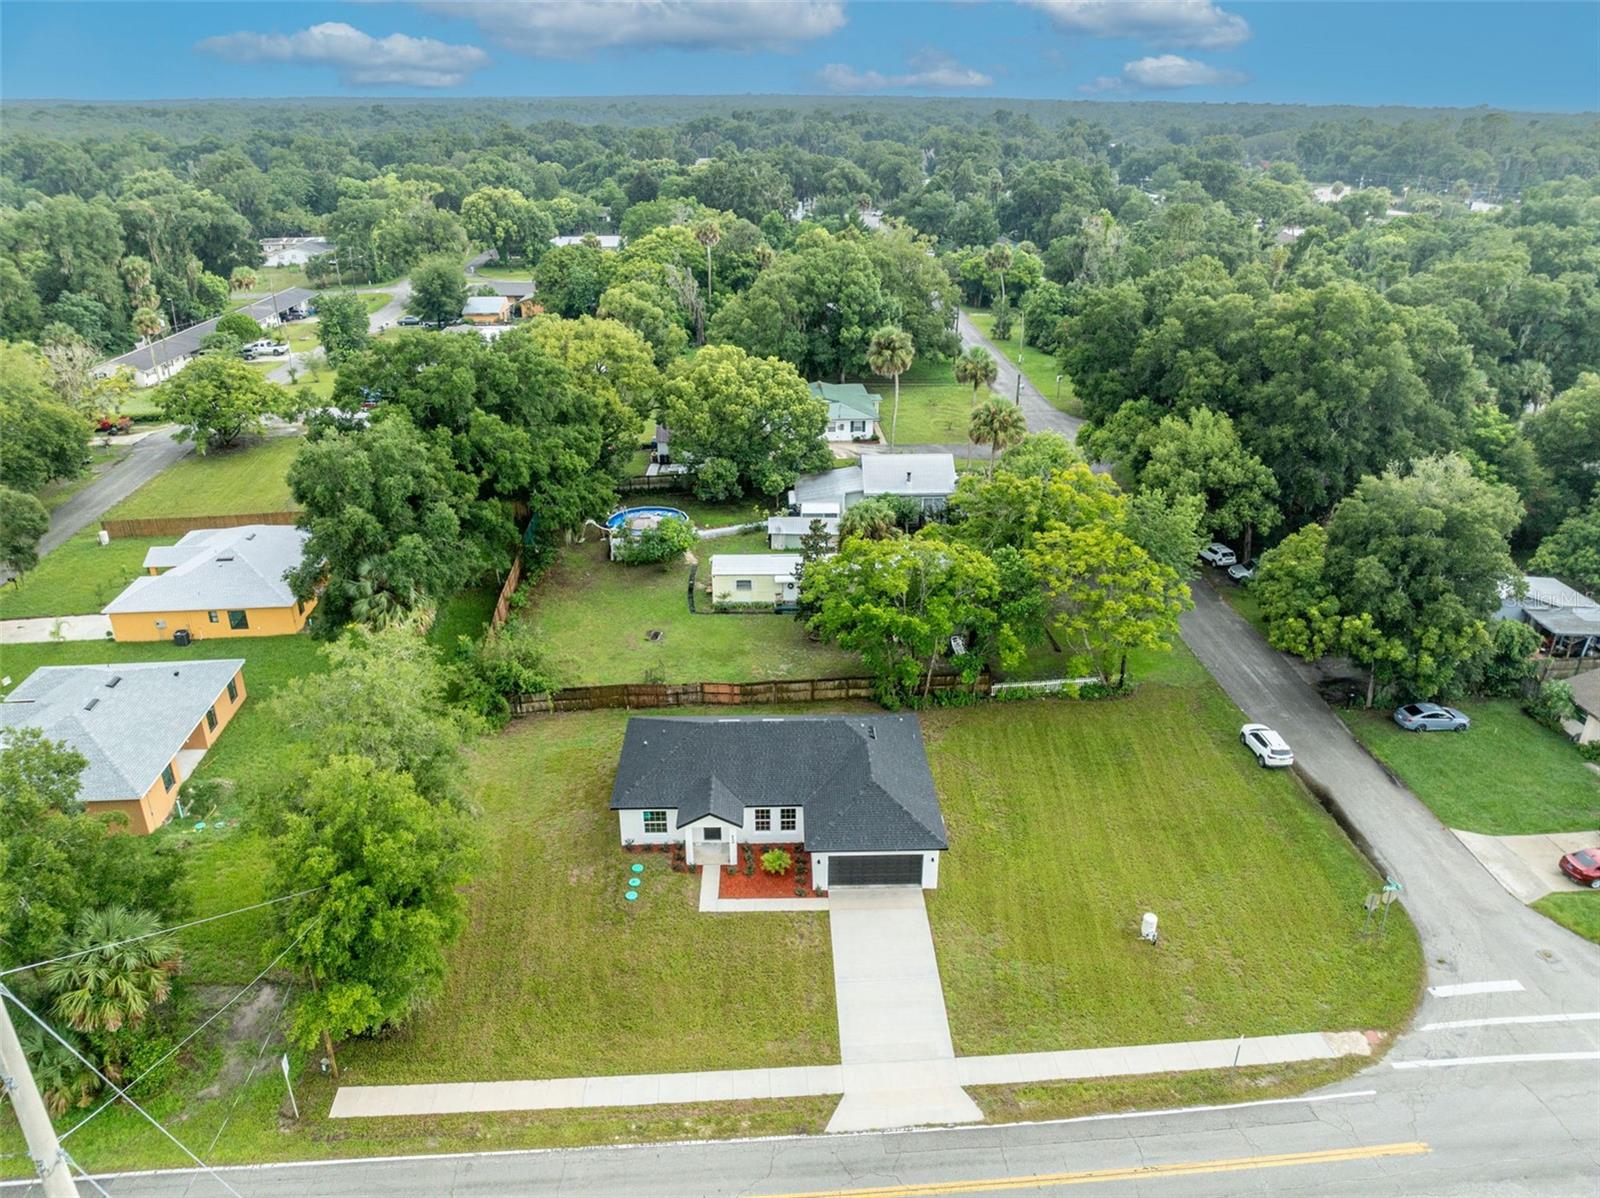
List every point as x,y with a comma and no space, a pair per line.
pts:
1574,911
934,408
596,616
1505,776
250,477
1068,821
556,975
78,578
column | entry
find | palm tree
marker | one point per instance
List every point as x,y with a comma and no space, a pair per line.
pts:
998,259
890,354
976,368
708,233
242,279
114,983
374,600
998,425
147,323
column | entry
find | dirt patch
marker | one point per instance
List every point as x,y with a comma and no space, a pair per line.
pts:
242,1029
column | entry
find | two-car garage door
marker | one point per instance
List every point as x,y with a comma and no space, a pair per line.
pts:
878,869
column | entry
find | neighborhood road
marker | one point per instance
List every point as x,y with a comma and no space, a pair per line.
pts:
147,458
1494,1090
1040,413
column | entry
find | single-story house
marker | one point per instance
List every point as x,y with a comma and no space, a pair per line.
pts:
486,309
160,360
928,477
852,411
788,532
855,791
767,579
1586,696
293,251
215,582
607,241
1566,618
142,727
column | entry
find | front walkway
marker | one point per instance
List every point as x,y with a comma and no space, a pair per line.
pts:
657,1089
894,1037
40,629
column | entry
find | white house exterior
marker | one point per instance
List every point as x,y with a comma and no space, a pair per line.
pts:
929,478
852,411
608,241
854,791
292,251
789,532
755,578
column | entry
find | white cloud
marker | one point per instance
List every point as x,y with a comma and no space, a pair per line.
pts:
929,70
561,29
1198,23
361,59
1164,72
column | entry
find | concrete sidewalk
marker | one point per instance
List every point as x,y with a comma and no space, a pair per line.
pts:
39,629
656,1089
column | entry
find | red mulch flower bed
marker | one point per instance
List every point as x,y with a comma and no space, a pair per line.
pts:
762,885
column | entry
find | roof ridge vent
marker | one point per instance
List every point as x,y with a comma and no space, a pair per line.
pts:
92,703
225,555
112,681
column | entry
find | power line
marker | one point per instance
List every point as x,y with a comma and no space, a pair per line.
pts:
6,993
244,1085
193,923
98,1188
176,1048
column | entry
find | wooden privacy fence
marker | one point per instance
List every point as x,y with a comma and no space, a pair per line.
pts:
176,526
502,604
717,694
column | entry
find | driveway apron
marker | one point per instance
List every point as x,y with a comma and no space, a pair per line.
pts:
894,1037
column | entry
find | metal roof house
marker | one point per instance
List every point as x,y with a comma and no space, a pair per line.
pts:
787,532
215,582
160,360
929,477
1567,619
141,727
606,241
852,411
856,791
755,579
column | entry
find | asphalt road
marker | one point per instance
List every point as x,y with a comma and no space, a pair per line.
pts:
145,459
1041,415
1516,1113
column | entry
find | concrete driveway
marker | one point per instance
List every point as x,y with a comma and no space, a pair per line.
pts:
1526,865
894,1037
40,629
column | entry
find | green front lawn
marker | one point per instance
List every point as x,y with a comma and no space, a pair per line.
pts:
1038,367
1576,912
934,408
517,272
250,477
1069,820
595,615
1505,776
79,578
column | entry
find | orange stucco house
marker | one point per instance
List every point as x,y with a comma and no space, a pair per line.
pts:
140,726
215,582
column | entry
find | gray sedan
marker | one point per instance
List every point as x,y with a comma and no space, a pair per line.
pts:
1431,717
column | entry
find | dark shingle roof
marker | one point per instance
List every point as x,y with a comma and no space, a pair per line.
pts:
863,781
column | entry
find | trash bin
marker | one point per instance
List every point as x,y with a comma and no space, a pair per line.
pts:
180,637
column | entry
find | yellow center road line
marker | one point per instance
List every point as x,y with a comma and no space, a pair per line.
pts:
1132,1173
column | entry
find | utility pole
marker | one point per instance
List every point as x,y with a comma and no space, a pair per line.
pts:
43,1147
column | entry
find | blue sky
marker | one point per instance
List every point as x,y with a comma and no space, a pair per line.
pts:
1521,55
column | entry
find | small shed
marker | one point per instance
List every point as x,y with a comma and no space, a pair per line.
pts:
755,579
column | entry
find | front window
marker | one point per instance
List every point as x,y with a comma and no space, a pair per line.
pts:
787,819
238,621
168,778
744,584
655,822
763,819
858,426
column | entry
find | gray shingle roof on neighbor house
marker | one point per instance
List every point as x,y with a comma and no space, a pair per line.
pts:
510,288
187,342
863,781
216,568
129,731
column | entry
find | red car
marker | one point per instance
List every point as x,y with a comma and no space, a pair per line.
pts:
1583,867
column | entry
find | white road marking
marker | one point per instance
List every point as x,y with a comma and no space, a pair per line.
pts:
1510,1059
1461,988
1500,1020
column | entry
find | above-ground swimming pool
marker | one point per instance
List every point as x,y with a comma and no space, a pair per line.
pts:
631,521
